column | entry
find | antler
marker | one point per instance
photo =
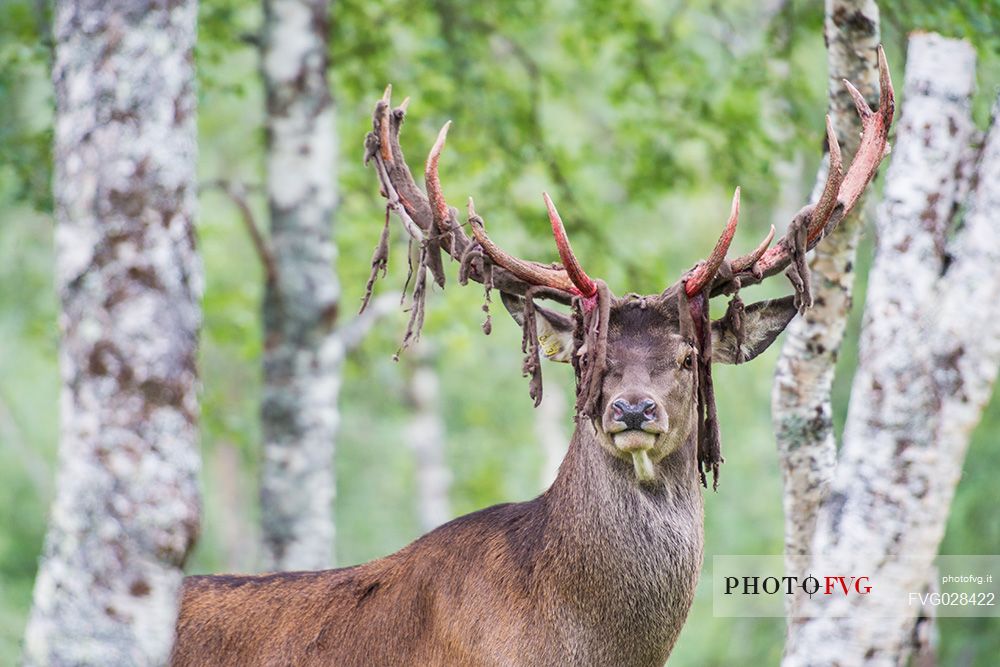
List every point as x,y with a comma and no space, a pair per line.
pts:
532,273
429,221
581,280
706,271
840,193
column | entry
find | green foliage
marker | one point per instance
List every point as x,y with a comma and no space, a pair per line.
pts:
639,120
25,133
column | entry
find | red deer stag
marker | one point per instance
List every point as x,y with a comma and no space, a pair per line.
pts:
601,568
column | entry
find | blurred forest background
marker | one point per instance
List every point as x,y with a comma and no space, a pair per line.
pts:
639,121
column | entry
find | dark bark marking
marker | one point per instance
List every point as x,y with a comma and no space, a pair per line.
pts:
836,502
139,588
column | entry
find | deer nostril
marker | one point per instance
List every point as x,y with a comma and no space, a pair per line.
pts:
633,415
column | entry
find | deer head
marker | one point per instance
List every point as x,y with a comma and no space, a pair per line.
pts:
643,363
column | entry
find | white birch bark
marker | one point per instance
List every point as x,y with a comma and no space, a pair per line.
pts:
803,380
126,511
302,355
425,434
930,350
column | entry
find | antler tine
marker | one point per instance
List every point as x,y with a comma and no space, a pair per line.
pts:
875,132
581,280
439,207
529,272
705,272
383,110
831,190
746,261
830,210
395,179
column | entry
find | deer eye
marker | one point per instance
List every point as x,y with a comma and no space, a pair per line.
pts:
688,360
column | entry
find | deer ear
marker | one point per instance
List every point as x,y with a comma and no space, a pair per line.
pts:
555,330
761,323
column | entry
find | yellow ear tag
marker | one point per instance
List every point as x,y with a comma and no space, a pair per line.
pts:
550,350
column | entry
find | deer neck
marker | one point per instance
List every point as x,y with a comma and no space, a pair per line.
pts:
595,490
627,556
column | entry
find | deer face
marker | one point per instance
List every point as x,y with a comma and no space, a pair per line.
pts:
649,390
648,394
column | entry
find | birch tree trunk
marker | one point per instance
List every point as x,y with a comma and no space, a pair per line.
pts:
126,511
803,380
302,356
425,435
930,349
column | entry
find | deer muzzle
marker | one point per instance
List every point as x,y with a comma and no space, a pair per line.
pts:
634,427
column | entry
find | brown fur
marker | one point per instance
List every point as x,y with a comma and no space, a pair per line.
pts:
600,569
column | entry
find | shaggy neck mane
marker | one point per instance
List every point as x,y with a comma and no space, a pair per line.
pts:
639,545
